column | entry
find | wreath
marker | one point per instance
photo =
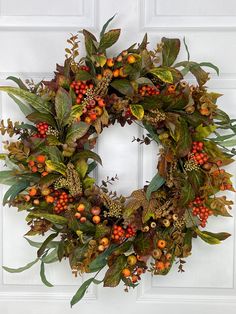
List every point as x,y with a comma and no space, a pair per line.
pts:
51,160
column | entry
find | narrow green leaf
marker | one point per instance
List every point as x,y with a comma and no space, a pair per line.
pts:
45,244
35,101
56,166
20,269
81,292
113,275
210,65
87,154
52,244
63,105
26,109
8,177
51,257
14,190
105,26
206,237
18,81
55,219
101,260
43,276
154,185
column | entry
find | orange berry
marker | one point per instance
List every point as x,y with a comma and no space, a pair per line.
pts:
99,76
119,58
101,248
116,73
93,116
160,266
204,112
49,199
134,278
168,256
31,163
83,219
36,202
167,265
95,210
161,244
27,198
44,173
139,271
34,169
77,215
32,192
101,103
87,120
131,59
110,62
122,74
104,241
126,272
98,111
96,219
81,208
41,159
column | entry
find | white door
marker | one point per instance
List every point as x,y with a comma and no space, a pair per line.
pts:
33,36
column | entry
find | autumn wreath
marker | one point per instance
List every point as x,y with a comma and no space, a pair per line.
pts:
51,161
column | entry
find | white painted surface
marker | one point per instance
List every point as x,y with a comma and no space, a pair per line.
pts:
33,35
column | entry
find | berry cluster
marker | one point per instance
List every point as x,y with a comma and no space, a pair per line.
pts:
42,128
197,153
119,233
93,109
80,88
200,210
130,232
80,214
133,269
61,200
147,90
162,257
37,164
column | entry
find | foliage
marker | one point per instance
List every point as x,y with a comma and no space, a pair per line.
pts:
50,160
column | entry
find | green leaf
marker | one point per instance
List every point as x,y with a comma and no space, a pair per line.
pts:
206,237
204,131
154,185
195,69
14,190
52,244
63,104
45,244
81,292
52,140
101,260
39,117
163,74
196,178
100,59
187,193
220,236
8,177
184,143
54,153
35,101
26,109
20,269
18,81
49,179
56,166
51,257
89,40
186,47
87,154
82,167
76,131
170,50
82,75
114,273
43,276
105,26
137,111
55,219
123,86
109,39
143,244
210,65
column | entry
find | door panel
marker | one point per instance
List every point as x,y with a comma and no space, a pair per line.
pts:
33,36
